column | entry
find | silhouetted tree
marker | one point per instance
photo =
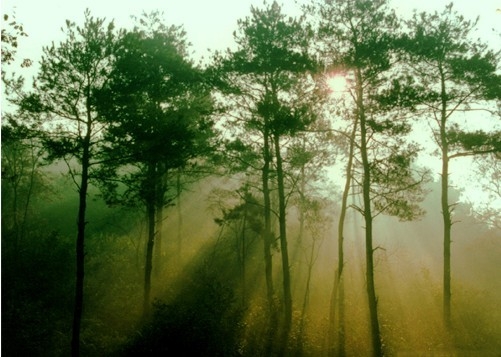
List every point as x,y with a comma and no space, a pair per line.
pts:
158,111
454,74
358,38
63,97
270,69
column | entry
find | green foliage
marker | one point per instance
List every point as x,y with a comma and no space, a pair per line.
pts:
441,48
478,141
372,37
10,37
271,43
363,39
273,93
70,73
272,56
158,111
249,210
397,187
402,93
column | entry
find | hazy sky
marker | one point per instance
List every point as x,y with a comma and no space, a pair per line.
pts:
209,23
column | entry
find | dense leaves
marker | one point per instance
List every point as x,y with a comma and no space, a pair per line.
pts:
155,104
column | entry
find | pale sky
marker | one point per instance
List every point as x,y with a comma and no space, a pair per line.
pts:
209,23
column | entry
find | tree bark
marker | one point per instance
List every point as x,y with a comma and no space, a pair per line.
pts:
158,246
80,244
283,238
150,213
446,213
179,214
159,213
267,238
243,252
367,212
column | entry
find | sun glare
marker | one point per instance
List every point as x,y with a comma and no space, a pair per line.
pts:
336,83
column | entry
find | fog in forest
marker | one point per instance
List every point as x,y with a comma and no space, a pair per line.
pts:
327,186
201,292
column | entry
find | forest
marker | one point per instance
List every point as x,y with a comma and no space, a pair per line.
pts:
272,199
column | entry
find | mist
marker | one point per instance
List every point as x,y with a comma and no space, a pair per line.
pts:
205,303
327,186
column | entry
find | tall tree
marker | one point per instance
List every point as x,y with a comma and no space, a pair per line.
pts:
358,39
63,96
158,110
270,65
455,74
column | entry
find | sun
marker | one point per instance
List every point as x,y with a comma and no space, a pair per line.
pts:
336,83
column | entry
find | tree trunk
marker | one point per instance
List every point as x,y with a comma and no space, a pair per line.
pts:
159,212
150,213
306,297
283,238
447,243
179,214
367,212
302,189
158,246
338,287
243,252
267,238
446,213
16,218
80,245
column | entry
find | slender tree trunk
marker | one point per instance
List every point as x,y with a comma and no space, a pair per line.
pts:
150,212
341,342
159,212
267,222
283,238
16,218
179,214
242,271
306,297
267,239
302,187
338,287
446,213
301,206
16,182
80,245
367,212
447,242
29,193
158,239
